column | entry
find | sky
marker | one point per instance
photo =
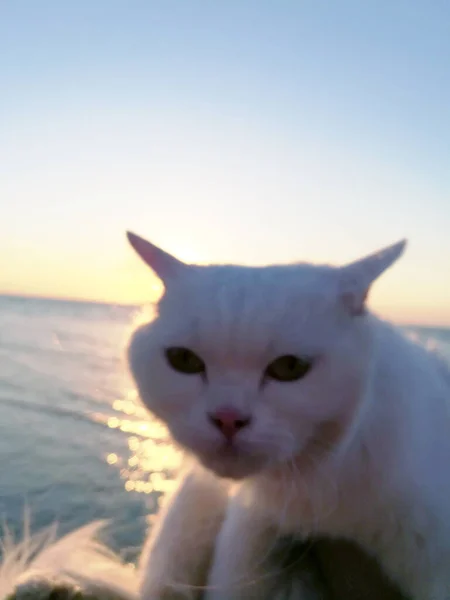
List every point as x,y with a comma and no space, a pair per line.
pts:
247,131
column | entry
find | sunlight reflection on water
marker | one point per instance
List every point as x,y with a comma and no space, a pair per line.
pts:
151,463
76,443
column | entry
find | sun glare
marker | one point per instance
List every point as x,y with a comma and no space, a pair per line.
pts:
150,463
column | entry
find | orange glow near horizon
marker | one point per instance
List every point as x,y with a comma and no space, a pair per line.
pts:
268,163
50,276
126,280
116,278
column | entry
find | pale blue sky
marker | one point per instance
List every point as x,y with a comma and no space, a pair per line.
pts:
249,131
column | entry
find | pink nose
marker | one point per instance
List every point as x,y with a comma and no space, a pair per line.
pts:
229,421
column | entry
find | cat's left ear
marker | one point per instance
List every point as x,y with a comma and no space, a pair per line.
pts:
164,265
356,278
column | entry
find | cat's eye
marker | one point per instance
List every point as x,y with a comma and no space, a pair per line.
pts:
185,361
288,368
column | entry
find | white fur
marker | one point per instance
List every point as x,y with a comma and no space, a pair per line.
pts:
176,558
357,449
41,564
43,567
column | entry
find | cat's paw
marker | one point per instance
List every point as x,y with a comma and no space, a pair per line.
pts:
42,587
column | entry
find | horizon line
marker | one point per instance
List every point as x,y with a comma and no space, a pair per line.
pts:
26,296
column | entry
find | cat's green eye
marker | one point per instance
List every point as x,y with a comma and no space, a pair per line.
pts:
185,361
288,368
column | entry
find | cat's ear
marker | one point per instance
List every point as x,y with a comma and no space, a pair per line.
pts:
356,278
165,266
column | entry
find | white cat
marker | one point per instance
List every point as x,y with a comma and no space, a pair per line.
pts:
331,421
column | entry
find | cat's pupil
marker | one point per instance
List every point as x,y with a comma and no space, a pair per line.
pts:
291,362
288,368
185,361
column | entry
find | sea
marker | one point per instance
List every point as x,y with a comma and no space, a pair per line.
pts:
75,443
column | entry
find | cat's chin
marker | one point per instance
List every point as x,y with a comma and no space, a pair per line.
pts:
232,465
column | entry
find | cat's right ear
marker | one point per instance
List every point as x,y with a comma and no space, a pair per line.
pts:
164,265
357,277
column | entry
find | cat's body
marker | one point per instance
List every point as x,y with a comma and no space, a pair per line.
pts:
331,421
389,488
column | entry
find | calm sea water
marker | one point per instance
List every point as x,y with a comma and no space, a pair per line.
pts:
74,443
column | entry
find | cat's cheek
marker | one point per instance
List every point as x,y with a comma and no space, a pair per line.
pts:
286,419
269,438
203,447
166,393
190,429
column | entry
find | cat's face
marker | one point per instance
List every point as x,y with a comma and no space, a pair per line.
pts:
251,368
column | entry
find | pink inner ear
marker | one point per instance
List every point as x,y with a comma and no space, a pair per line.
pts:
355,303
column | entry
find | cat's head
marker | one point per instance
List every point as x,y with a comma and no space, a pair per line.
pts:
251,367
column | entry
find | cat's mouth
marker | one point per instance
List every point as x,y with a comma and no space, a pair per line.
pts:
230,462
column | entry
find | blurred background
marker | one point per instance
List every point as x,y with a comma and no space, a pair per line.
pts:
239,131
